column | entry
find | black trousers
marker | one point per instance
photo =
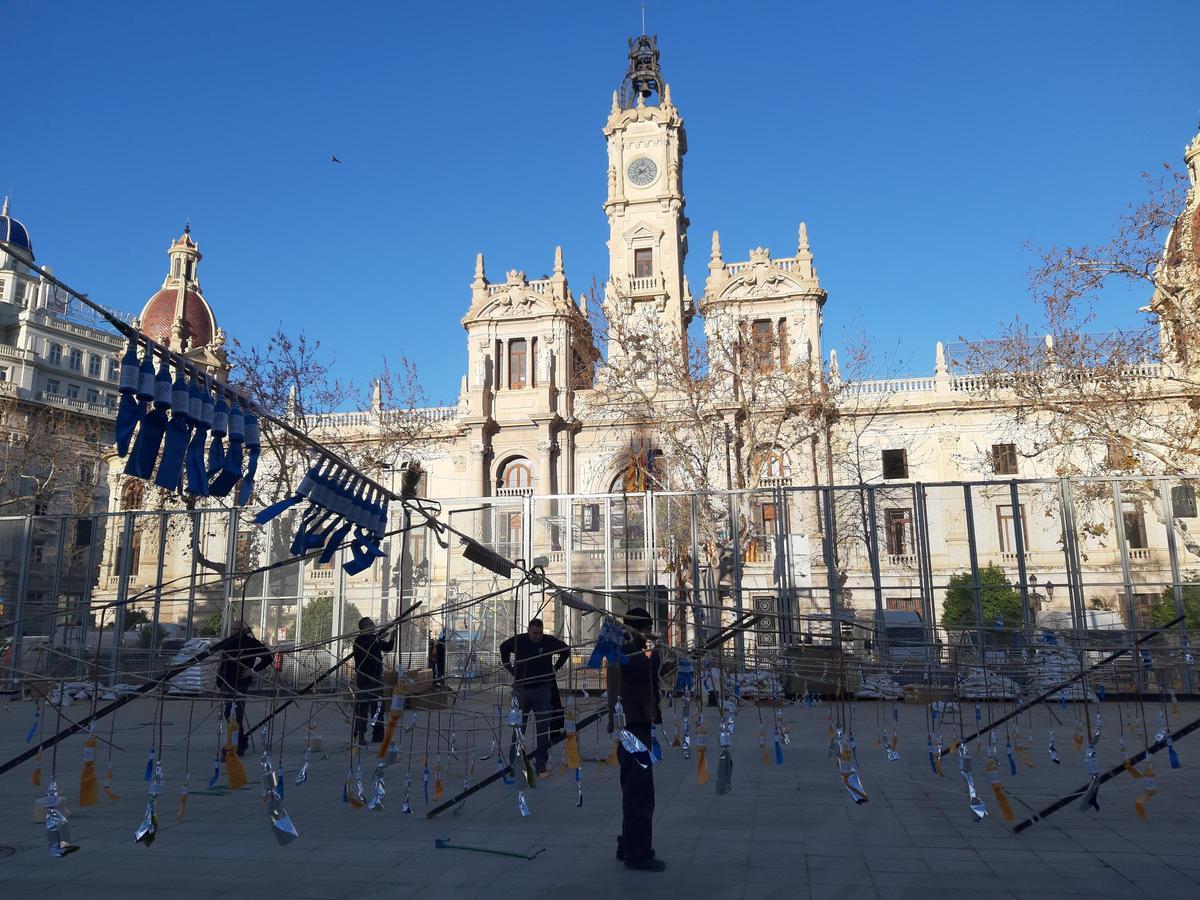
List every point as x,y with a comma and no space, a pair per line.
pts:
637,800
235,705
368,701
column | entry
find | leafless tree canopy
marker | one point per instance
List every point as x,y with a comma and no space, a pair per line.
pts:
293,380
1094,401
51,459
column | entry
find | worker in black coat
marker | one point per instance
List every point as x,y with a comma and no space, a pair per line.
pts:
635,684
235,674
533,659
369,647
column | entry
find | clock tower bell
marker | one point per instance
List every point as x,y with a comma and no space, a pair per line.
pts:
647,243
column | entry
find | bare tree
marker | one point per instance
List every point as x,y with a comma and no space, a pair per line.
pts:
1107,401
290,378
51,458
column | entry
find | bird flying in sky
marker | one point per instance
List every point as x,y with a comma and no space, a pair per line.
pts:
333,158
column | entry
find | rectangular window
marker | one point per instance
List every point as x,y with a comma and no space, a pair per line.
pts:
1004,459
643,263
1135,525
1183,500
51,386
762,340
73,391
898,523
85,473
1006,528
94,366
1143,606
769,515
3,374
783,349
516,363
93,395
895,464
76,360
114,370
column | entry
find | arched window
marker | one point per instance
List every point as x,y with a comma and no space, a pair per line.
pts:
516,477
773,467
76,359
56,354
131,495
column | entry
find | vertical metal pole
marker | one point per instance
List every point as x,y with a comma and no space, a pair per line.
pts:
972,549
19,604
124,573
698,622
608,585
1126,574
876,582
56,582
1071,551
569,546
197,525
86,600
735,538
1164,496
831,578
231,530
924,560
649,534
1019,541
783,533
158,580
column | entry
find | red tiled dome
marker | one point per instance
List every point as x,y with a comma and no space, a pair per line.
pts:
158,318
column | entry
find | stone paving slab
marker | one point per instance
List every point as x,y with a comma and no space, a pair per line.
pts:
784,831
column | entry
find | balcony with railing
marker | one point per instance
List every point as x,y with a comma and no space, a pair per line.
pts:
514,492
649,284
428,415
76,405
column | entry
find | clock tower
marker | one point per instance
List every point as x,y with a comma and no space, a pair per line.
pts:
646,289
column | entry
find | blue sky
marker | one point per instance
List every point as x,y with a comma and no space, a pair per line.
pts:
923,143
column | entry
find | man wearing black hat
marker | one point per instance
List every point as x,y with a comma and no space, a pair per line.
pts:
635,684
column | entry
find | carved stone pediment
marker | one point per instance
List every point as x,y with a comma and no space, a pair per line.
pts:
514,302
761,278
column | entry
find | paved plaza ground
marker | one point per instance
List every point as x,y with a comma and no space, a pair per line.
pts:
783,831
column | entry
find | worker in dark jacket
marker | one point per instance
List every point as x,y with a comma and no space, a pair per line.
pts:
369,647
635,685
235,674
538,657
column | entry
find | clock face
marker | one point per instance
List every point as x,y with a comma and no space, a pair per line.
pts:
642,171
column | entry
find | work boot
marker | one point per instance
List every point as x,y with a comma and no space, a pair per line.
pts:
649,864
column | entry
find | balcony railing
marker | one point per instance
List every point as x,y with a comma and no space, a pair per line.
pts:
514,492
651,284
